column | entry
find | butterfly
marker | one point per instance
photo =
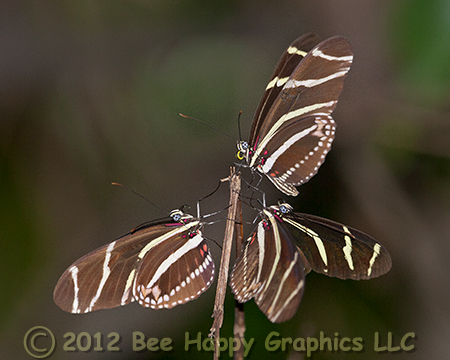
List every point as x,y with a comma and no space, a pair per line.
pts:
285,246
292,129
159,264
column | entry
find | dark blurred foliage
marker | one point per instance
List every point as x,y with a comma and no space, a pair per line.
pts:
90,93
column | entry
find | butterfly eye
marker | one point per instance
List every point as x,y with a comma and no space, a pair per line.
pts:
176,215
243,146
284,209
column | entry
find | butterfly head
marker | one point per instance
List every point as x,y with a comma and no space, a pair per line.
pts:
178,215
243,150
283,208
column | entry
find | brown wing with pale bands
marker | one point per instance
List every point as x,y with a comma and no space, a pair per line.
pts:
297,151
337,250
293,55
314,86
292,141
174,273
103,279
270,270
244,276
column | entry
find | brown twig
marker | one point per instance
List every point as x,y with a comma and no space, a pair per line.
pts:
235,187
239,315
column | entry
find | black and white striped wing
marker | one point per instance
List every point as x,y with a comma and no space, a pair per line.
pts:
284,69
337,250
292,135
161,264
270,270
174,274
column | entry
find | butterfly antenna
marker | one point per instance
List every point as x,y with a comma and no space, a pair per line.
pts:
140,195
210,126
239,125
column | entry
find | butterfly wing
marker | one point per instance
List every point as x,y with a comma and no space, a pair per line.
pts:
105,277
299,117
286,65
168,278
299,149
270,270
337,250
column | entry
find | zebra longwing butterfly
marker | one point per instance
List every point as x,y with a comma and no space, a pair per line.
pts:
285,246
159,264
292,129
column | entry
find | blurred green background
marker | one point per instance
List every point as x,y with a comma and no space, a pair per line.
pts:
90,93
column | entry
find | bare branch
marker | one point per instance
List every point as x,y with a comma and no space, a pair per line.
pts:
235,187
239,315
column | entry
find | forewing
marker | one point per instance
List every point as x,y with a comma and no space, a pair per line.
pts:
290,59
290,143
337,250
313,88
101,279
